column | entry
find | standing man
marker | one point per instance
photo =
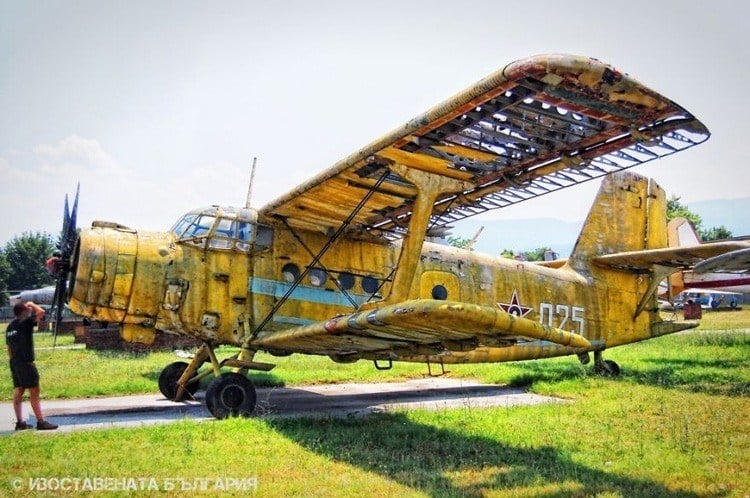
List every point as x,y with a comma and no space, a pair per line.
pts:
20,340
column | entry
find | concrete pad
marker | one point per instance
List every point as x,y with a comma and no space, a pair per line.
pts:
333,400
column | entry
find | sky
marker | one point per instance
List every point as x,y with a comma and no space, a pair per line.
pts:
157,108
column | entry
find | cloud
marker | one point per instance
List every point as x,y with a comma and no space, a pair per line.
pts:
37,181
73,156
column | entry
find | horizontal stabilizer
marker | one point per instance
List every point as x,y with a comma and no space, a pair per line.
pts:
674,257
415,327
732,262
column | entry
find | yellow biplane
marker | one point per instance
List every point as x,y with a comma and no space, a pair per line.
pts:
349,265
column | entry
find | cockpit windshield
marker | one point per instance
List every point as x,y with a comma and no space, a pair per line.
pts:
222,228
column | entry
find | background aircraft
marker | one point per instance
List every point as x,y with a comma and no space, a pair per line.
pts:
728,274
43,295
340,267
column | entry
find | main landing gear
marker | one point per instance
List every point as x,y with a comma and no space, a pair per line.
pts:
602,367
230,394
169,377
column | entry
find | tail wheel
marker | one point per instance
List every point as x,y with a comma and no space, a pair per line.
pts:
231,395
607,368
169,377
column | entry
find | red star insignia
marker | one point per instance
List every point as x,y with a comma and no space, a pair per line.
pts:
514,307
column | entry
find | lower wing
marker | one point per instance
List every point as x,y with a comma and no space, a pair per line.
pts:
414,327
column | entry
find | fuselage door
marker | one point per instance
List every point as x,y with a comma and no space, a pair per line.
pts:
439,285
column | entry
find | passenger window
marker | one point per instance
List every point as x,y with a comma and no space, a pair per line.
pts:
346,280
440,292
290,272
318,277
370,285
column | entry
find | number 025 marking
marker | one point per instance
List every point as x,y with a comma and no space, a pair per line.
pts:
564,313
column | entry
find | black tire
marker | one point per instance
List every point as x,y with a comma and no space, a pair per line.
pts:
608,369
169,377
231,395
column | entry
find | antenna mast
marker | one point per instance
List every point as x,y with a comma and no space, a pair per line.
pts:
250,185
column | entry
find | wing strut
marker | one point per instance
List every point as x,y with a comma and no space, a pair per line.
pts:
429,186
658,273
319,256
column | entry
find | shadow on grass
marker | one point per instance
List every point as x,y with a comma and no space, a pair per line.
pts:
716,377
443,462
710,376
545,371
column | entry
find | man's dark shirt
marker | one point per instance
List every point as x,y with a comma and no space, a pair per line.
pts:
19,337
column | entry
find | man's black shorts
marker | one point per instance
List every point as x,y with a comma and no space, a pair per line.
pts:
24,374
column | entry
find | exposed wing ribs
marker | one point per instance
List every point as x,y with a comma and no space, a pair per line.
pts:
537,126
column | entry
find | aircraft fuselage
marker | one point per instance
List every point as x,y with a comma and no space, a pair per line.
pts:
220,289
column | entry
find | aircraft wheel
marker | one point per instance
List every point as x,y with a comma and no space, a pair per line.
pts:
231,395
607,368
169,377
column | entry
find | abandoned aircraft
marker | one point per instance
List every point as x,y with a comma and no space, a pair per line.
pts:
340,266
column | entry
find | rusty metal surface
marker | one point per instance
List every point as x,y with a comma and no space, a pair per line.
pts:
677,257
415,322
488,308
536,126
297,278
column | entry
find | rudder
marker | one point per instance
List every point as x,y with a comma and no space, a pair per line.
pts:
628,214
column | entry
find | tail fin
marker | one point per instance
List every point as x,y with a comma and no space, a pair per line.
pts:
680,233
629,214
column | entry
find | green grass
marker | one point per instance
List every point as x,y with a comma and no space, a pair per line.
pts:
676,423
726,320
616,439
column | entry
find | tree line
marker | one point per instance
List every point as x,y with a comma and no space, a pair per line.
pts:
22,263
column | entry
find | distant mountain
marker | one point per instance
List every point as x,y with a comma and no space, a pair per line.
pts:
521,235
560,235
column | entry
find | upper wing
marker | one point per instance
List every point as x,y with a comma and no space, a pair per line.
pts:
674,257
420,326
536,126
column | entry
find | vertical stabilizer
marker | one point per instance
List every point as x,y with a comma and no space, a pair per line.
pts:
629,214
680,233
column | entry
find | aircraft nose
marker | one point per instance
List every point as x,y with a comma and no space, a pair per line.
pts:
103,272
118,276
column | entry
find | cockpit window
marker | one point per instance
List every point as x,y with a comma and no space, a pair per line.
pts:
226,228
201,226
222,228
181,225
226,234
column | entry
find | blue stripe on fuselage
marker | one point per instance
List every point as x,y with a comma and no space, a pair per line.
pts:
303,293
